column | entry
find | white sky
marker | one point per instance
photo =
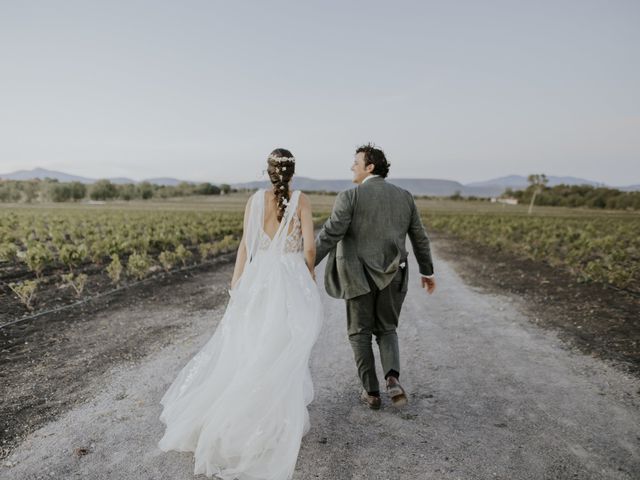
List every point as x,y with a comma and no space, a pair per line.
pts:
203,90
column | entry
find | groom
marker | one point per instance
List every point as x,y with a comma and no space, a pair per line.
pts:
365,238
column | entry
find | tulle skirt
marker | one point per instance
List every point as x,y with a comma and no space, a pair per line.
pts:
240,404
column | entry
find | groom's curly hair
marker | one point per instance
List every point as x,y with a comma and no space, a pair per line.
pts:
376,157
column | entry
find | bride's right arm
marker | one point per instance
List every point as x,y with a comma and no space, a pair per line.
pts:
241,256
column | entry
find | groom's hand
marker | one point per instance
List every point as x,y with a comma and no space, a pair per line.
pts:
429,284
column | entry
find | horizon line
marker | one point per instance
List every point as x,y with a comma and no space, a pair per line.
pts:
310,178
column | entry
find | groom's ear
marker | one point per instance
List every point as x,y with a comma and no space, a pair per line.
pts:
369,168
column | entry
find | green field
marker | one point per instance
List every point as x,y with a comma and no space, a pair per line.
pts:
595,245
64,244
130,240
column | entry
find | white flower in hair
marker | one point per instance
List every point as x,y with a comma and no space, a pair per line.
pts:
282,159
285,201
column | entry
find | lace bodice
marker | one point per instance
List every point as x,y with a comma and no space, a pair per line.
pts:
293,242
288,237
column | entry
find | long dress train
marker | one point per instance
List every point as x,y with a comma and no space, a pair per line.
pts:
240,404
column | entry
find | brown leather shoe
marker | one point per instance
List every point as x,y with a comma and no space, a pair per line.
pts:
397,393
373,402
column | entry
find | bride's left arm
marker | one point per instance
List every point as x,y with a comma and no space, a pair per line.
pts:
241,256
308,239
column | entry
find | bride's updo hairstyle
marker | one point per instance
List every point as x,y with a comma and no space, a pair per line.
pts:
280,168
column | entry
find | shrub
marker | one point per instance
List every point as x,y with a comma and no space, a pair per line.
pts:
138,265
25,291
114,269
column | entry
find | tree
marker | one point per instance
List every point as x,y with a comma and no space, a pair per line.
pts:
127,191
536,183
207,189
9,191
456,196
225,188
145,190
78,190
103,190
60,192
31,189
184,189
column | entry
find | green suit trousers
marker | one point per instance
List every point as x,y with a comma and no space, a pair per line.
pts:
376,314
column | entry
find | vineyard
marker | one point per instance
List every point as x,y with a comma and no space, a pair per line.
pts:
594,248
41,248
52,255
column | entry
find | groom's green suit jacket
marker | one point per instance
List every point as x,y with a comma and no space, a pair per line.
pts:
367,230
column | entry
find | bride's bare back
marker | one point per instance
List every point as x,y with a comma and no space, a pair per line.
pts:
303,212
270,228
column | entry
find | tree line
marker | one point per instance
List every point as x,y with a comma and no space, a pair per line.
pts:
52,190
576,196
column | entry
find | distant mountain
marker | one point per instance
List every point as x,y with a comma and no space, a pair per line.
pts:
301,183
42,173
417,186
428,186
513,181
435,187
444,188
573,181
169,182
520,181
119,180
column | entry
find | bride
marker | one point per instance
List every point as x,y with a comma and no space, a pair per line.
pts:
240,404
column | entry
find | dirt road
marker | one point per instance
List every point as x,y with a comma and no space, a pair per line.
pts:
492,396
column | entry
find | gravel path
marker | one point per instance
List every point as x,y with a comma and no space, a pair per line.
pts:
492,396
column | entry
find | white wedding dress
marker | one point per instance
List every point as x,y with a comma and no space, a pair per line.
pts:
240,404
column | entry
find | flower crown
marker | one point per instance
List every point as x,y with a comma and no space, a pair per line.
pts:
281,159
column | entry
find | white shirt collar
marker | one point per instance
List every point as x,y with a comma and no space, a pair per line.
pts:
367,178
